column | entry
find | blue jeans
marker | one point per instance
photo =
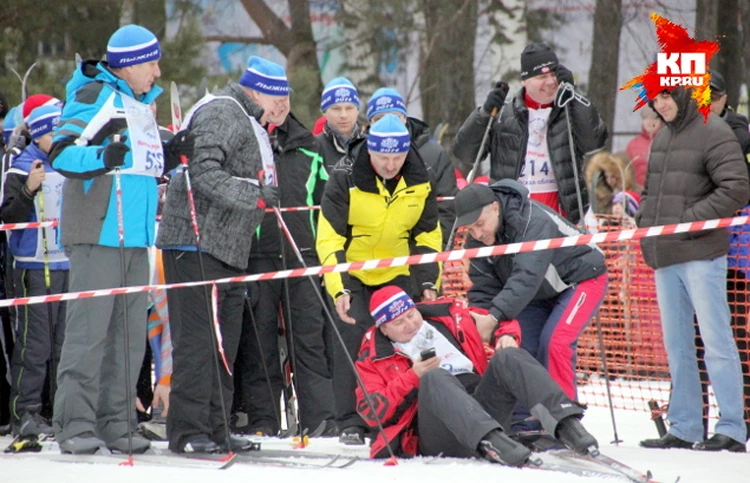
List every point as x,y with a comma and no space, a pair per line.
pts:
700,287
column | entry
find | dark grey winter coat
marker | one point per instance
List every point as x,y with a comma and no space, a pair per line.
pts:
227,155
696,171
506,284
508,140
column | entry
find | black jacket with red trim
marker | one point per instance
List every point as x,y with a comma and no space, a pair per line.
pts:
392,384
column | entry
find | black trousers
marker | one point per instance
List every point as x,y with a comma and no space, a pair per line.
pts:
195,403
33,348
344,381
453,422
737,298
304,314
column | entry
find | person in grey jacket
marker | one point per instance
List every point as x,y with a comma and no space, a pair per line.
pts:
231,153
696,172
530,140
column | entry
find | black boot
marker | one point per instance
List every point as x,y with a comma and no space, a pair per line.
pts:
665,442
199,444
573,435
499,448
352,436
718,442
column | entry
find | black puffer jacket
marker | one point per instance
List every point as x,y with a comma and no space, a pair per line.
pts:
440,168
301,176
696,171
508,140
506,284
332,148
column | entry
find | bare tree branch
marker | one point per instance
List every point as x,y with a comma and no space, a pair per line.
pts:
271,26
238,39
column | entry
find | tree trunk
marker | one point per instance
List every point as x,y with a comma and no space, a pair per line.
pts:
446,74
298,45
706,19
362,57
729,58
605,58
302,66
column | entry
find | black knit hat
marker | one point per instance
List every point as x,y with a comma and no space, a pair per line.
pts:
537,59
717,84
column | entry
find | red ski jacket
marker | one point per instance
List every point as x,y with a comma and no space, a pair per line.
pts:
393,385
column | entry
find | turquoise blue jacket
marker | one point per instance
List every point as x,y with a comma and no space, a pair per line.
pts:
88,124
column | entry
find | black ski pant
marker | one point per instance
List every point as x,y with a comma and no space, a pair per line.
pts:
7,323
195,400
33,347
453,422
344,381
304,314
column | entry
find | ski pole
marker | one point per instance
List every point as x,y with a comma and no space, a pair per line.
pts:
209,311
494,115
48,289
603,355
288,325
329,317
126,322
562,101
262,355
177,123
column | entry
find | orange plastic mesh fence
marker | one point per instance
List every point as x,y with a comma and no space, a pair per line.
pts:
631,327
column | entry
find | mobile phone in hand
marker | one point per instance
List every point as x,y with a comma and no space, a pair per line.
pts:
427,354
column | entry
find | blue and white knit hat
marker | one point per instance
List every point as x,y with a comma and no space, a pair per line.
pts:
131,45
43,120
9,124
389,135
265,77
383,100
338,91
389,303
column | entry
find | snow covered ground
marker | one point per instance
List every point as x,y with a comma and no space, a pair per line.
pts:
666,465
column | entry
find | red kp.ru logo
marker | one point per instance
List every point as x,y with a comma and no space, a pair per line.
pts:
681,62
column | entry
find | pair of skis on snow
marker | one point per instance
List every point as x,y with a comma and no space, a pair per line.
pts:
275,458
591,465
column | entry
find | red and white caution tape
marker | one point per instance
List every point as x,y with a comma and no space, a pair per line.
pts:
453,255
288,209
23,226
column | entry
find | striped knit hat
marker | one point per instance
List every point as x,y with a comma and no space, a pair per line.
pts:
338,91
265,77
389,303
43,120
131,45
388,136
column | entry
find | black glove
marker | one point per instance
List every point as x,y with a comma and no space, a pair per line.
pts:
563,74
182,144
114,154
496,97
270,195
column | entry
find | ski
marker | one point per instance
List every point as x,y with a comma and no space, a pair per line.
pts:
621,468
298,460
221,462
573,470
288,459
553,467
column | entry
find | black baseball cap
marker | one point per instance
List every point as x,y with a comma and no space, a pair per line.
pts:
470,201
717,82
